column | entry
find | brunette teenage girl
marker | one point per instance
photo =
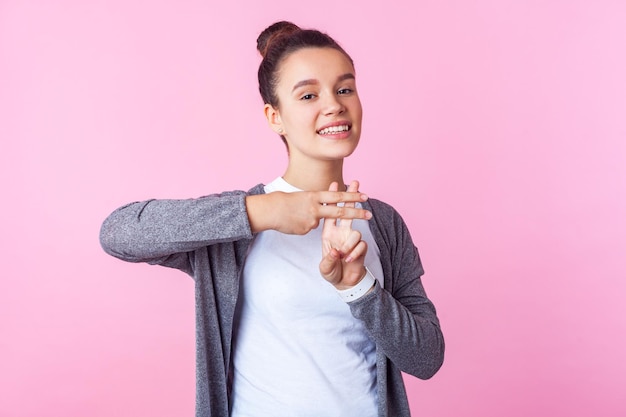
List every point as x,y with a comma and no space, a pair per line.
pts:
309,300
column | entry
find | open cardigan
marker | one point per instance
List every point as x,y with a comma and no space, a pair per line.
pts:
208,238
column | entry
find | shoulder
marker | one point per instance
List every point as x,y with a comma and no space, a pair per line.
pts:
257,189
380,206
383,212
388,224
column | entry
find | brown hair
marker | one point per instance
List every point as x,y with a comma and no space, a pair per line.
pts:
279,40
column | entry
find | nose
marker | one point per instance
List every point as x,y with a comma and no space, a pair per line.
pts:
332,105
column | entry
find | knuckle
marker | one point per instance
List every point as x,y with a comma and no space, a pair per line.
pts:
309,225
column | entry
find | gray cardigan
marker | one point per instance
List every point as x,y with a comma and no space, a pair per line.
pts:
208,238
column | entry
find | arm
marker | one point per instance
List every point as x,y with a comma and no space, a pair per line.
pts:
151,231
400,318
155,230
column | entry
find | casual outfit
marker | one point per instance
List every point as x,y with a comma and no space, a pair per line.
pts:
272,336
296,341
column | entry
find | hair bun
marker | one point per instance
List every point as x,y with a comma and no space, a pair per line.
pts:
272,33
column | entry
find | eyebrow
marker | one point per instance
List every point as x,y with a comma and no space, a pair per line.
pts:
312,81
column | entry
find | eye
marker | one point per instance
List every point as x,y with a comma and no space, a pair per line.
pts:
307,96
344,91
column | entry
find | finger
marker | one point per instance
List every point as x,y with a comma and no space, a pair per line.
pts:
337,212
359,250
334,197
328,222
351,241
353,187
333,187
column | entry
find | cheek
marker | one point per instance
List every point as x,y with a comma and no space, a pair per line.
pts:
357,112
304,117
355,106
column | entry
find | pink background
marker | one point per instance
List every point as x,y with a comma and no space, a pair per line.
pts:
497,128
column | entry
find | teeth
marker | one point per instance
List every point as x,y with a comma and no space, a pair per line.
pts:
334,129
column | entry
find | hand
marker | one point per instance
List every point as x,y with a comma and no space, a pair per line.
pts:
300,212
343,251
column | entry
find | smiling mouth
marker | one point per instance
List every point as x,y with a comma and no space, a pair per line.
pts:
333,130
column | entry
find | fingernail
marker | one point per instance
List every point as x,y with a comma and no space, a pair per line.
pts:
348,259
368,215
364,197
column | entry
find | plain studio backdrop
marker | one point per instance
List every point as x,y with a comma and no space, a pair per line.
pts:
496,128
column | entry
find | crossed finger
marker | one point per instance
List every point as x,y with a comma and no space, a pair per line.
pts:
346,212
352,188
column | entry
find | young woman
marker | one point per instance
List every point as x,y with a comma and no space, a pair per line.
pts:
308,294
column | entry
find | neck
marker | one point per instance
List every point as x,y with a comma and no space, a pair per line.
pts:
317,177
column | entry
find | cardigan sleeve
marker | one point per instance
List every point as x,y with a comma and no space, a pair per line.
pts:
165,231
400,318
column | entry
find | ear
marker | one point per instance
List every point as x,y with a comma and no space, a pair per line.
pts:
273,118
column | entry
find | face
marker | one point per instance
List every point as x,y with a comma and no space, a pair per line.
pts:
319,109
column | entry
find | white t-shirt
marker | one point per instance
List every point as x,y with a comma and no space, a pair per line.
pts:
298,350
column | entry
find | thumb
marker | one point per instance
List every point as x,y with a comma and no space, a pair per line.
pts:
329,263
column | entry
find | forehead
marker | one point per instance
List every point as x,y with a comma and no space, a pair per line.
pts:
322,64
